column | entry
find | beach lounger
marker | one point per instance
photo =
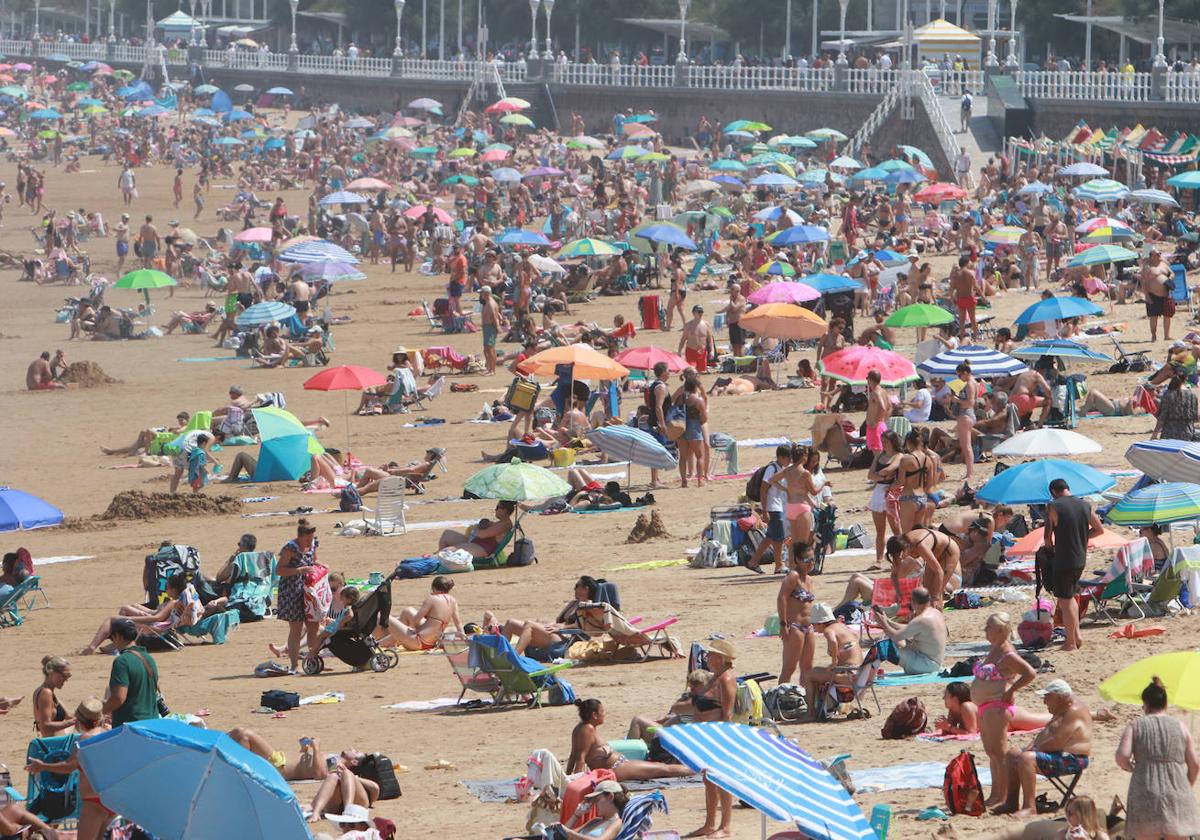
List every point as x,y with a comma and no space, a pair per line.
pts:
215,626
388,519
458,654
1162,596
53,796
598,619
14,606
519,676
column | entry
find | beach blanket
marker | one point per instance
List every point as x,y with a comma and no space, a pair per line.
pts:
898,678
195,359
422,705
61,558
323,699
607,510
925,774
930,738
649,564
762,443
504,790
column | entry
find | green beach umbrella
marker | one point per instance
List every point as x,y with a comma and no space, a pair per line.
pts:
517,119
826,134
1171,501
469,180
14,91
919,315
424,151
653,157
462,153
1102,254
516,482
588,248
584,142
79,87
777,268
1179,671
287,446
145,279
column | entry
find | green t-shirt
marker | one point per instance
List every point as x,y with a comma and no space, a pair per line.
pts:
129,671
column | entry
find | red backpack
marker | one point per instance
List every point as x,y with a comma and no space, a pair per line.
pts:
963,792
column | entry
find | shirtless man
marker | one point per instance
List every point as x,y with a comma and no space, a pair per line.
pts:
879,409
39,377
962,291
1057,236
150,241
299,289
490,274
1064,747
694,342
1029,391
121,232
240,288
844,652
733,311
831,342
1153,280
492,319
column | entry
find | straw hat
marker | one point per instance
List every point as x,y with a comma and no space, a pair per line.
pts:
722,648
91,710
822,614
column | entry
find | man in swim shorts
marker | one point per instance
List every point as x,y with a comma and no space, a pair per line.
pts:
879,408
148,242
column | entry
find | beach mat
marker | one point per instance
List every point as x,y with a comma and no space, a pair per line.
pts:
197,359
424,705
896,679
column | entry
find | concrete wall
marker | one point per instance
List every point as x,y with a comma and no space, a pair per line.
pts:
1056,117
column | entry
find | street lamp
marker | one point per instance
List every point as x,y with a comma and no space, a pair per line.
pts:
991,59
841,59
815,30
112,17
398,52
37,20
1012,62
683,10
293,47
787,30
192,32
548,5
1160,60
533,9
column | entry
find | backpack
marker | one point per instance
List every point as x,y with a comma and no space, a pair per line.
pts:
785,703
961,787
349,500
755,482
279,701
522,553
711,555
378,768
966,601
907,719
559,692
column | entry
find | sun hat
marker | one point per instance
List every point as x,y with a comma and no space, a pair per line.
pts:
90,709
351,814
721,648
1056,687
821,614
606,786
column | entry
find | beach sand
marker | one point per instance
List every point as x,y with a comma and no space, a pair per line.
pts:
51,448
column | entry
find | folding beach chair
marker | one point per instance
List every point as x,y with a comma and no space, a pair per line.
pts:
1065,785
1179,291
1114,590
1135,362
216,627
862,680
499,555
830,437
434,391
388,519
519,675
458,654
53,796
252,585
14,606
1162,596
598,619
897,605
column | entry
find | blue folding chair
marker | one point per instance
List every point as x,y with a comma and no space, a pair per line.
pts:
1179,290
54,797
16,604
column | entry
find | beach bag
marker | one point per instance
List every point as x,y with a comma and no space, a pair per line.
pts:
906,720
755,482
710,556
279,701
559,692
416,567
1037,624
378,768
522,553
961,787
785,703
856,536
675,422
349,499
522,395
318,597
451,561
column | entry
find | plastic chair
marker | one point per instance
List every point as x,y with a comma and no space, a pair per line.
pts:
14,606
457,650
53,796
519,675
389,508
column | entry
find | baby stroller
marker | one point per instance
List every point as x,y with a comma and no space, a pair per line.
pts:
353,642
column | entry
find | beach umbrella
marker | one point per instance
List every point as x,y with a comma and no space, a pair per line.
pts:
584,142
517,119
1060,348
177,781
1100,222
203,120
919,315
317,250
493,155
462,152
773,179
1167,460
19,511
587,248
516,482
345,378
746,125
265,312
666,234
1101,255
1035,188
331,272
506,175
343,197
229,141
777,268
904,176
205,90
544,172
939,192
145,279
1153,197
645,358
727,165
873,173
586,363
815,178
824,134
1058,308
516,236
545,265
734,184
653,157
638,130
627,153
1029,483
798,235
775,212
238,115
1004,235
852,364
280,91
706,185
254,234
830,283
1112,233
1101,189
772,775
287,446
845,162
425,104
1047,443
1083,168
79,87
418,210
1029,544
469,180
1157,504
784,321
507,104
359,123
244,88
627,443
783,292
985,362
1179,672
45,114
1185,180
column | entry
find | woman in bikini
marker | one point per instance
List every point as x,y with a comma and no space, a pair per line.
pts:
998,677
800,486
934,553
484,538
590,751
912,471
964,405
422,628
608,799
962,716
794,605
50,717
715,703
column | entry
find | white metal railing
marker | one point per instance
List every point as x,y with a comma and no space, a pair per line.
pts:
937,118
733,77
1084,84
129,54
1182,87
876,119
870,80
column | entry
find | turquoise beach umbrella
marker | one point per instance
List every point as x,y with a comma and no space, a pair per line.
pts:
287,446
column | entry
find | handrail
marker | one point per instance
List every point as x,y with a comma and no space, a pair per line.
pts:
937,118
875,120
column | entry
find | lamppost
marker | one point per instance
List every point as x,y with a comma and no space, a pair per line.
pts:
841,59
548,5
683,10
1013,63
991,60
398,52
112,17
533,9
1160,60
816,46
787,30
293,47
37,20
192,32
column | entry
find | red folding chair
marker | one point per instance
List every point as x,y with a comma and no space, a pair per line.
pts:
884,594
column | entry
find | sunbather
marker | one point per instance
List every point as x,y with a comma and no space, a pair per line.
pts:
146,437
962,715
845,654
50,717
589,750
645,728
15,818
414,472
421,628
483,539
1096,401
609,800
308,765
342,787
181,609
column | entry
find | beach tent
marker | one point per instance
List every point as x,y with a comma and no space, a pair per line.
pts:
939,37
221,103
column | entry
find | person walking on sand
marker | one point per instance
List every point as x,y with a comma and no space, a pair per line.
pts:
879,409
1070,523
693,344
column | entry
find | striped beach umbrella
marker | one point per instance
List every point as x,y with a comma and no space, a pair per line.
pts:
771,774
1004,235
1047,443
1173,501
985,362
1153,197
1081,169
1102,255
517,236
1029,483
588,248
627,443
317,250
343,197
777,268
1058,308
330,272
266,312
1167,460
1101,189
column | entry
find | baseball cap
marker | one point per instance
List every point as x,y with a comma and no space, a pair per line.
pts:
1056,687
606,786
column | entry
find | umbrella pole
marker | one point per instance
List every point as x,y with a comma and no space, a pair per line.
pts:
763,824
346,408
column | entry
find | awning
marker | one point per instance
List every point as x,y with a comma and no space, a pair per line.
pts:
697,30
1142,30
179,20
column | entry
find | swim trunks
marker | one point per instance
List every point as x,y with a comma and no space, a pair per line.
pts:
875,436
1026,403
1059,763
490,335
697,359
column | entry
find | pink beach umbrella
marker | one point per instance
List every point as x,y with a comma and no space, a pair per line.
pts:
852,365
783,292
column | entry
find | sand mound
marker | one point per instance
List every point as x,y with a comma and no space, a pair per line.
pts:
647,529
87,375
134,504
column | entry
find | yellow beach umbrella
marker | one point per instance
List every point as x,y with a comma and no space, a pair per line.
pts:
1180,673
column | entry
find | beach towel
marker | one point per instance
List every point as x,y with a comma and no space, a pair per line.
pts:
61,558
423,705
606,510
898,678
1137,557
926,774
938,739
762,443
1129,631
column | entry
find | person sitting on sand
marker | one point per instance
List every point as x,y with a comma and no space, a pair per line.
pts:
1062,748
921,643
421,628
181,609
146,437
308,765
644,727
483,539
39,377
844,653
962,715
342,787
276,350
590,751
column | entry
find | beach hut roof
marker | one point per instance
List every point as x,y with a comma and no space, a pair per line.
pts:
943,31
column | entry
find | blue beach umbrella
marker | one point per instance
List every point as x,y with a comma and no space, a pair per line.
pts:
287,446
904,176
985,362
799,235
506,175
1036,188
1102,255
205,90
1029,483
627,443
280,91
1185,180
516,236
830,283
771,774
727,165
773,179
273,143
20,511
1083,168
266,312
228,141
1058,308
177,781
330,272
667,235
238,114
45,114
1061,348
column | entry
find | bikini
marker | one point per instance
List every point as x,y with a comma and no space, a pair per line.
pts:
60,713
918,499
990,672
803,596
431,645
703,703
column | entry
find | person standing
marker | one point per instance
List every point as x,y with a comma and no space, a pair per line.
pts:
694,342
1158,750
964,405
127,184
964,112
715,703
121,231
133,681
458,279
490,318
733,311
656,396
879,408
294,558
1153,279
772,498
1178,410
1070,523
149,242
